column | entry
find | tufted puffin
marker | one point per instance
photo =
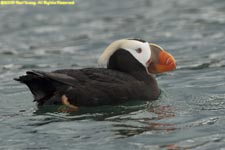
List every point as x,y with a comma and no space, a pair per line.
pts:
128,75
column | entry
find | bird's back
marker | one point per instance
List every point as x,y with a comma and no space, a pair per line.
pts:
87,87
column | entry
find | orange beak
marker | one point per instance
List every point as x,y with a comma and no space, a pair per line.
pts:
165,62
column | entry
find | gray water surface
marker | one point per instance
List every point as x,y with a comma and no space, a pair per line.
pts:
190,111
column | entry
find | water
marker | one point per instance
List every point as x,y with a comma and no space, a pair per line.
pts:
188,115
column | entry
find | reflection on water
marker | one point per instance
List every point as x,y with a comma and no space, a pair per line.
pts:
147,124
127,120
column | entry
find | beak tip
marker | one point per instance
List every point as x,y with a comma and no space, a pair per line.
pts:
173,66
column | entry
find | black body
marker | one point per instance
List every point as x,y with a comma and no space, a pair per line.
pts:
125,79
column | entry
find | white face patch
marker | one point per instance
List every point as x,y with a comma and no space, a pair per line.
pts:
139,50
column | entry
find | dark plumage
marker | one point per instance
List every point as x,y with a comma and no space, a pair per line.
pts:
124,79
94,86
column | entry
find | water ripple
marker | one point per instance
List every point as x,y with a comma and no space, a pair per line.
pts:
188,115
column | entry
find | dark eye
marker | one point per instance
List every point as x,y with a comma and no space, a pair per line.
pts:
139,50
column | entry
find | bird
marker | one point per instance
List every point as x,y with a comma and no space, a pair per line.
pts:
126,73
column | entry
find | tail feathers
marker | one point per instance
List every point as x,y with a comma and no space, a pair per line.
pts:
30,75
41,88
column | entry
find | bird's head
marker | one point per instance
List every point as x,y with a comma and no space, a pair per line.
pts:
131,54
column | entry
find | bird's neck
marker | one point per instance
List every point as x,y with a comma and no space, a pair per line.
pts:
143,76
123,61
151,87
